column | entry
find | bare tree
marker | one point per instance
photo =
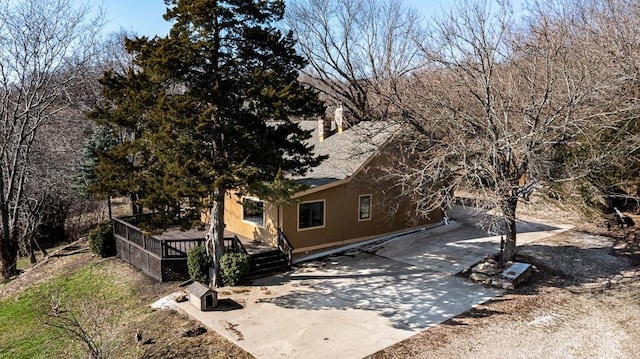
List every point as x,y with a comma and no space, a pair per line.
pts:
91,323
48,189
612,30
504,103
356,49
46,48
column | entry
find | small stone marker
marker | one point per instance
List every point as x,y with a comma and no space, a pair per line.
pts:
517,272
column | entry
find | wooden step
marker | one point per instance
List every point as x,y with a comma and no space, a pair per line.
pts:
267,263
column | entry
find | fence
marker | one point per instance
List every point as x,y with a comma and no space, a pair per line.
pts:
161,259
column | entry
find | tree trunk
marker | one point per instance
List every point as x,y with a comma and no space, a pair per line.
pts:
136,208
32,253
216,233
508,207
8,243
9,257
42,249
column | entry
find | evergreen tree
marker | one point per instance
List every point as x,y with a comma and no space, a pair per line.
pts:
101,140
210,109
85,180
129,98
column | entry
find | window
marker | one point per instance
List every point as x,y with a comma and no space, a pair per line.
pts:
364,207
253,211
310,215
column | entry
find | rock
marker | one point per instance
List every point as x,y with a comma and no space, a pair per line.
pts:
479,277
479,268
486,268
502,284
507,285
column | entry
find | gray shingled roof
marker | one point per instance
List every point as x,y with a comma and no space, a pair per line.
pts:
347,151
198,289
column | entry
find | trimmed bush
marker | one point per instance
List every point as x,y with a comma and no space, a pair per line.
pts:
198,263
234,268
101,240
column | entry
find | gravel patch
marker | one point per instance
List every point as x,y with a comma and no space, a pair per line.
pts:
583,303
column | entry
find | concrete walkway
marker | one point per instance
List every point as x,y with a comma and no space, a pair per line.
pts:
353,306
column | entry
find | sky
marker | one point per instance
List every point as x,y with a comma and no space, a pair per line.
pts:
144,17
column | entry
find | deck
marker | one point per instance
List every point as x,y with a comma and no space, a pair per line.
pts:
174,234
164,256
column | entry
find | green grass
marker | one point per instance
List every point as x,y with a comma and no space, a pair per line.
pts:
24,336
24,262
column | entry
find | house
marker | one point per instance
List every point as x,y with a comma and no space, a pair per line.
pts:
348,199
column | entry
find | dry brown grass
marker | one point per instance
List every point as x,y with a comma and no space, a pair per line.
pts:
162,330
163,337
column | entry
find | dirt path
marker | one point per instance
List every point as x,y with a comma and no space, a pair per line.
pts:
583,303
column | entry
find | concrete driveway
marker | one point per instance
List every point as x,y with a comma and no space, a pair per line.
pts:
350,306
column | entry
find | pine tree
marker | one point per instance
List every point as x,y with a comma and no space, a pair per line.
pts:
211,108
101,140
85,180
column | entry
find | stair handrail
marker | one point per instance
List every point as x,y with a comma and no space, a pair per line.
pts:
285,246
236,244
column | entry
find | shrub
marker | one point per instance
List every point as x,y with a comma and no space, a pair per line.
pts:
101,240
234,268
198,263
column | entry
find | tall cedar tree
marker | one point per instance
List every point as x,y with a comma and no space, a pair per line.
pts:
101,140
209,109
84,180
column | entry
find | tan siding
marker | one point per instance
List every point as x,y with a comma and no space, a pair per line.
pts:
333,221
268,234
389,213
235,223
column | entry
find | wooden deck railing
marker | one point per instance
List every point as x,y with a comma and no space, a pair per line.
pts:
180,248
125,228
234,244
285,246
133,234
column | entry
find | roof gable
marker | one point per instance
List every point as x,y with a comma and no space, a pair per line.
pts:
198,289
347,151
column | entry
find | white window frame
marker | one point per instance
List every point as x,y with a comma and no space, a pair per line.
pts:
370,207
324,215
264,210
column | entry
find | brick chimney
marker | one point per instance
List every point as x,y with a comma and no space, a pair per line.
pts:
324,128
341,118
